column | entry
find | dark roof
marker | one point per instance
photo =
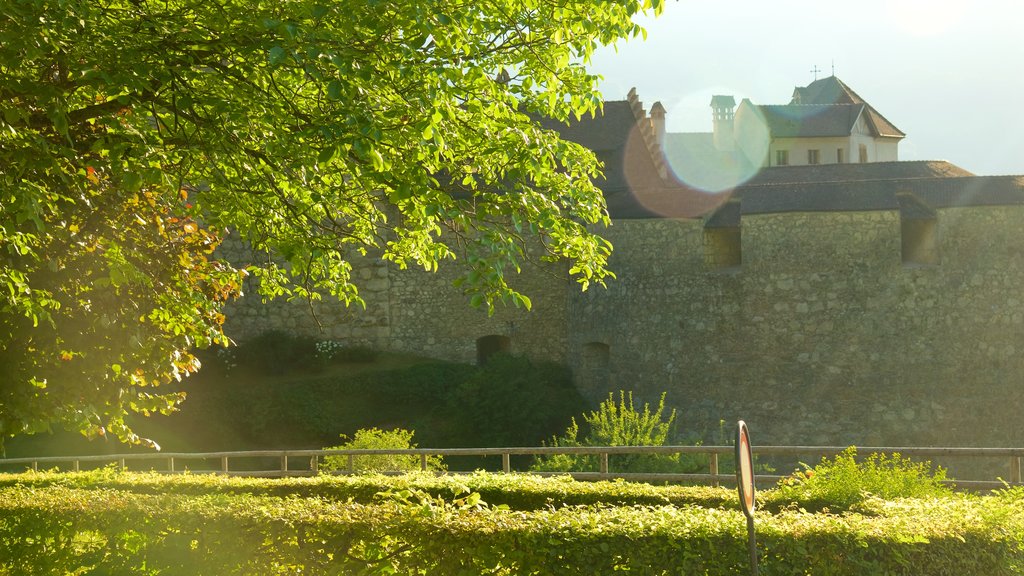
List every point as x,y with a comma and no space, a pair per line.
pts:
694,159
723,101
617,139
608,130
811,120
839,188
870,195
866,171
831,91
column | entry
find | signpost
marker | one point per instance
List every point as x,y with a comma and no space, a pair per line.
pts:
745,486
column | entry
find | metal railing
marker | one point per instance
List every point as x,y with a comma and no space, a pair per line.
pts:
288,461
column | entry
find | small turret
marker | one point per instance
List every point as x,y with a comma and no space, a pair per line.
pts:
658,123
723,109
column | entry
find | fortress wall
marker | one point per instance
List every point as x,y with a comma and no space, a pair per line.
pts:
433,318
413,311
822,336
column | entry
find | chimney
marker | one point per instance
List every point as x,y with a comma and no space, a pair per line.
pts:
723,110
658,123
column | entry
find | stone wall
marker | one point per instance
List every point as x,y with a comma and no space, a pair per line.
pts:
821,336
414,311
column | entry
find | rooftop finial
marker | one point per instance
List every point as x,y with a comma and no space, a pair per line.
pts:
815,71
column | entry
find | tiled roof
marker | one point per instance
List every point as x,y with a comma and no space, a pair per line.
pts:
832,90
695,160
866,171
869,195
811,120
617,140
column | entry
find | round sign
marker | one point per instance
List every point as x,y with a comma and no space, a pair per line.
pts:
744,469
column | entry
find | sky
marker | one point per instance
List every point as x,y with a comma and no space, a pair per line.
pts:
948,73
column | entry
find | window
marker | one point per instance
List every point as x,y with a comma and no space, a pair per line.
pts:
840,156
488,346
863,153
782,157
812,157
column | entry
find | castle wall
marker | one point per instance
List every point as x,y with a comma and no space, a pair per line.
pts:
413,311
822,335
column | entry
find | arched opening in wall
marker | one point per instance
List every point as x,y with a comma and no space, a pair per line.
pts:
488,346
595,366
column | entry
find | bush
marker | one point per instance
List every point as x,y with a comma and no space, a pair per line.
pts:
513,401
620,425
215,525
277,352
377,439
843,483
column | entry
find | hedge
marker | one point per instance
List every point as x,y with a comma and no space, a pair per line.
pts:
517,491
50,528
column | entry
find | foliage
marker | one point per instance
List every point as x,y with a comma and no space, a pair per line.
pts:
134,134
619,424
335,352
513,401
375,438
277,352
842,483
510,401
514,491
213,525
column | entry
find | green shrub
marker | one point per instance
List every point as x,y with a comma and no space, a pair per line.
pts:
335,352
375,438
214,525
619,424
513,401
277,352
842,483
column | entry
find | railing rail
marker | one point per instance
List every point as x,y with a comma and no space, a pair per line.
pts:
173,460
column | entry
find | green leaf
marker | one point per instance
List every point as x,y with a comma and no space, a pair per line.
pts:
334,90
276,55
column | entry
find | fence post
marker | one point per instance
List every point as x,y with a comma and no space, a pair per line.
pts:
122,464
77,467
1015,469
170,463
224,464
35,466
604,462
284,463
314,465
351,464
714,469
423,462
506,464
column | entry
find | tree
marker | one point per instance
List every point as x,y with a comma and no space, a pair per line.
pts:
134,134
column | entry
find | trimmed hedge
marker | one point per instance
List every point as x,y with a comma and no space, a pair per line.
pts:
516,491
54,527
